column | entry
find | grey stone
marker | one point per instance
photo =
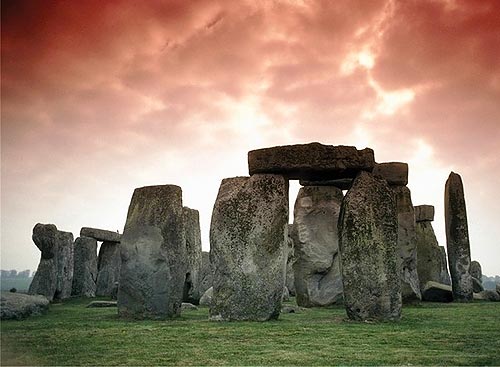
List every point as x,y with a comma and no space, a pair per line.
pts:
444,277
191,293
18,306
477,285
487,295
437,292
318,279
54,275
108,269
290,277
85,267
102,304
342,183
153,253
498,288
207,274
248,247
395,173
186,306
206,299
457,238
311,162
424,213
407,245
291,309
476,271
100,234
368,239
286,294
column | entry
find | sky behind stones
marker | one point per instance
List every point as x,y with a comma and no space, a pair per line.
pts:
100,97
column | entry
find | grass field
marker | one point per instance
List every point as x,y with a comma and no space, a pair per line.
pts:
429,334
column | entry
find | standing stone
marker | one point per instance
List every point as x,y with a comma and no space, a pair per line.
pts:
153,253
207,274
248,247
192,293
85,267
290,277
457,238
318,279
475,270
108,268
407,245
54,275
368,238
443,265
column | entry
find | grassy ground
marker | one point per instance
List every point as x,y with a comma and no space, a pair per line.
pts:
429,334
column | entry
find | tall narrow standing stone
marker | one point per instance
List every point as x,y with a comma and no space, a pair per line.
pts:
191,291
153,253
457,238
290,276
248,247
85,267
368,230
206,274
108,268
318,280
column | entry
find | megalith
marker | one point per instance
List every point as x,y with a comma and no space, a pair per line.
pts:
248,247
368,239
317,275
191,292
290,277
477,276
153,254
457,238
206,274
85,267
54,275
108,268
100,234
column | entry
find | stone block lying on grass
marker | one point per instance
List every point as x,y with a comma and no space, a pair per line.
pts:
437,292
18,306
99,304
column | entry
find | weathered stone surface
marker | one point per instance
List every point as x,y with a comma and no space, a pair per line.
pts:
248,247
206,299
101,304
286,294
311,162
443,264
18,306
100,234
292,309
186,306
207,274
192,293
487,295
290,277
318,280
457,238
342,183
85,267
395,173
407,244
153,253
108,269
437,292
477,285
368,239
476,271
424,213
54,275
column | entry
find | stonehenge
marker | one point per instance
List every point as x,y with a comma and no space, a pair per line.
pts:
289,276
457,238
192,292
206,273
85,267
100,234
108,268
477,276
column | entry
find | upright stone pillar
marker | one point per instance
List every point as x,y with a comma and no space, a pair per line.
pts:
191,291
153,253
206,274
54,275
85,267
290,277
108,268
248,247
369,250
457,238
318,280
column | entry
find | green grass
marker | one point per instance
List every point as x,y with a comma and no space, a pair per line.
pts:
429,334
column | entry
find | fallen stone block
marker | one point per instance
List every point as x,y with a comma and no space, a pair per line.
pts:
18,306
437,292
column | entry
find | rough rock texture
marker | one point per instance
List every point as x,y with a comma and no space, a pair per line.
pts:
18,306
476,271
487,295
342,183
85,267
206,299
368,238
108,268
290,277
207,274
153,253
424,213
186,306
407,244
101,304
444,278
100,234
477,285
192,293
457,238
248,247
437,292
395,173
54,275
312,162
318,280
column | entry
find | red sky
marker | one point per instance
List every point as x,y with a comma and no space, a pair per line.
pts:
100,97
